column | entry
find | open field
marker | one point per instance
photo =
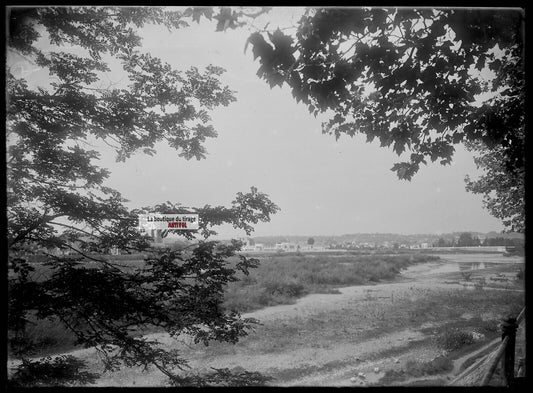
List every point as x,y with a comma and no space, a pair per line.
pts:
279,279
282,279
421,326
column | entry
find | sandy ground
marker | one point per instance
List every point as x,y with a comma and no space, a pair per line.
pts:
328,362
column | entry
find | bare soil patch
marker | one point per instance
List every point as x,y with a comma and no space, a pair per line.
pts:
353,337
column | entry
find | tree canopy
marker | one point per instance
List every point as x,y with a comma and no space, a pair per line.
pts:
54,182
466,239
418,80
503,190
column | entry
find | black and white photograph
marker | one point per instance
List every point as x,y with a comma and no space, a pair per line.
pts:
281,196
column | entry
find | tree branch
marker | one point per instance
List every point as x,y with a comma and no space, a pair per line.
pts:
21,236
104,261
71,227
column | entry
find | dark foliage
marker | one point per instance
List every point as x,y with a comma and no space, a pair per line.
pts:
419,81
54,183
59,371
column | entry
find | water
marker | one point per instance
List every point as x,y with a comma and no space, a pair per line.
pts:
481,258
475,265
468,262
450,263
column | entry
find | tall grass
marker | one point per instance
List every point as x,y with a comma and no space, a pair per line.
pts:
42,337
417,369
279,279
283,279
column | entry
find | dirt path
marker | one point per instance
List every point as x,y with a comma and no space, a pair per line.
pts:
347,360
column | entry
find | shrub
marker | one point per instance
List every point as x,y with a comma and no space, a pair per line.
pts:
41,336
480,283
291,288
453,339
61,370
247,298
248,280
438,365
235,377
392,376
415,369
283,278
491,326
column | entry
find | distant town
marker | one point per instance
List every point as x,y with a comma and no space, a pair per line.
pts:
380,241
492,241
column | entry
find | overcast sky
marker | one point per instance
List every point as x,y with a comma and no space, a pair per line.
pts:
267,140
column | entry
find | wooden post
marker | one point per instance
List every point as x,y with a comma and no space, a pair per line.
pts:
509,327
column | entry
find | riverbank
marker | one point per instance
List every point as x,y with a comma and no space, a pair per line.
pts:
361,335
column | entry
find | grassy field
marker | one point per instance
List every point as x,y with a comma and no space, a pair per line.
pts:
414,308
279,279
431,323
283,279
447,320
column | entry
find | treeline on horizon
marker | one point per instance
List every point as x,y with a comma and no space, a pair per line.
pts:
491,238
468,240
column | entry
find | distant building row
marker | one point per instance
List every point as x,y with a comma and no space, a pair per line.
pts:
249,245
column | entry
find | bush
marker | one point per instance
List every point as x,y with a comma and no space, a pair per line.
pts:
480,283
391,376
491,326
415,369
438,365
41,336
246,298
248,280
280,279
61,370
453,339
235,377
291,288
